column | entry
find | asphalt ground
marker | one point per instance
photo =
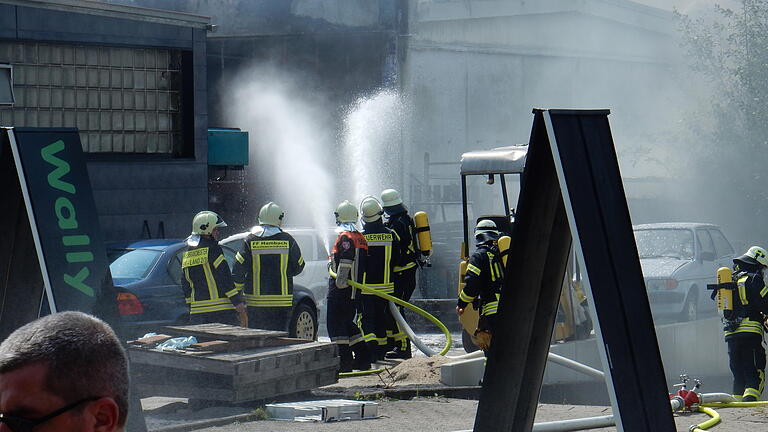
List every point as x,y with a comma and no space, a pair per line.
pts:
445,414
440,410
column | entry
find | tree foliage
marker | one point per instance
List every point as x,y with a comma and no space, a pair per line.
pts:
731,52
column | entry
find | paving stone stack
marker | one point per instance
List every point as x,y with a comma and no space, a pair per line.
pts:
231,364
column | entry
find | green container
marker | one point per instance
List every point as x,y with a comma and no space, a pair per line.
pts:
227,147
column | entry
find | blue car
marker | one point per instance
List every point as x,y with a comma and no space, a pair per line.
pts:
147,276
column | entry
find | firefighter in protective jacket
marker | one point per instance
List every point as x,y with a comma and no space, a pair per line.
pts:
483,282
743,326
264,268
402,224
381,332
206,280
347,260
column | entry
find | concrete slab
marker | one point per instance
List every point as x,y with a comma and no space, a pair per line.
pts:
467,372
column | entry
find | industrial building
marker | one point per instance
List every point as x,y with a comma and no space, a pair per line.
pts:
133,81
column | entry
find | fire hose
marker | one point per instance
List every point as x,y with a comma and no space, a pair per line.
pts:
416,341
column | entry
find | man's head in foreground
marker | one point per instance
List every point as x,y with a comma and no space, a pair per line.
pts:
63,372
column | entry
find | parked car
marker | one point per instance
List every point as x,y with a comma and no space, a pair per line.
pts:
311,286
678,261
147,275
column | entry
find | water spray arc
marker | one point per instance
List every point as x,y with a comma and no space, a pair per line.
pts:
371,141
290,134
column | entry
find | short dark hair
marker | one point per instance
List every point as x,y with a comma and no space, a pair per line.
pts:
83,354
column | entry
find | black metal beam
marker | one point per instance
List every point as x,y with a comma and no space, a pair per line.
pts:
535,271
586,168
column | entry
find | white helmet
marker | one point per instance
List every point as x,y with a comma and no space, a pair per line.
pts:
346,212
271,214
755,255
371,209
204,222
390,197
486,225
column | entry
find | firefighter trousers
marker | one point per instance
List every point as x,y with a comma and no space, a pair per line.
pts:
746,357
343,328
228,316
379,327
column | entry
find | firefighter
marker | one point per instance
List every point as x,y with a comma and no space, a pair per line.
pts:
483,282
207,282
264,268
743,326
402,224
381,332
347,260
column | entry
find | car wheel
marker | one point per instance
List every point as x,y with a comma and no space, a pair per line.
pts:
690,310
303,323
466,342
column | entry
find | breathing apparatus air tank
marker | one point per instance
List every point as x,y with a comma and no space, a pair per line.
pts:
421,220
504,242
725,291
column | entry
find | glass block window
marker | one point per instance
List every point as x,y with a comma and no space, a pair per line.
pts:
123,100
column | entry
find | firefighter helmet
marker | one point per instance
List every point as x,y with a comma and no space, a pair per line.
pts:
390,197
346,212
755,256
205,222
486,225
271,214
371,209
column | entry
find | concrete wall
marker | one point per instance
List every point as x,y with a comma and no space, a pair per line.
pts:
131,189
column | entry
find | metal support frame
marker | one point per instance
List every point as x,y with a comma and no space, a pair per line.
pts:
572,188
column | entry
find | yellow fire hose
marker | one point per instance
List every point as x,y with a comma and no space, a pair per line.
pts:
735,404
715,419
406,305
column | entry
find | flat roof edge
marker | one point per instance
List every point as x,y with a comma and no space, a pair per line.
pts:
91,7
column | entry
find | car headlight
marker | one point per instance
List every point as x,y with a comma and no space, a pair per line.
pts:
660,284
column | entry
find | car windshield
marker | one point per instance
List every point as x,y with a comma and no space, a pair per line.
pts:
671,243
134,264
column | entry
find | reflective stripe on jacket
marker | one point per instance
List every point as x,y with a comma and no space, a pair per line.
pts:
206,281
483,281
265,267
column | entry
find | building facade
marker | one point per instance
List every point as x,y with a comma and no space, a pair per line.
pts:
133,81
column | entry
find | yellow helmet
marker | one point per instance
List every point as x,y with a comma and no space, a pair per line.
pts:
204,222
755,255
271,214
390,197
371,209
346,212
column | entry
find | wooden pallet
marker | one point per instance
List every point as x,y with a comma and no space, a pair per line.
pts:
259,364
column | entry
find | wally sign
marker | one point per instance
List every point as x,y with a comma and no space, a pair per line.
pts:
62,214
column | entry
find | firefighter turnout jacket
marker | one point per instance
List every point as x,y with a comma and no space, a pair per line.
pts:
402,224
206,280
265,267
750,303
383,257
484,280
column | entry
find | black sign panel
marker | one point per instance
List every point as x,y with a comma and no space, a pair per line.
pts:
572,190
58,211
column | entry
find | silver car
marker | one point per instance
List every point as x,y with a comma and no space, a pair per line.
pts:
678,261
